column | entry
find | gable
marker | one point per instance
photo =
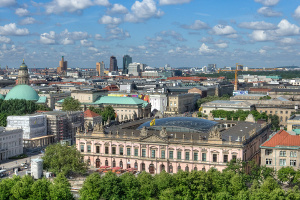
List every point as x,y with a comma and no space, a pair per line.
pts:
153,138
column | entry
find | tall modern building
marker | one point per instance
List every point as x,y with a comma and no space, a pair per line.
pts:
113,65
23,76
126,61
63,65
211,67
100,68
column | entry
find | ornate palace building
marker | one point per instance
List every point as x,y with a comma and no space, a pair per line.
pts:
172,144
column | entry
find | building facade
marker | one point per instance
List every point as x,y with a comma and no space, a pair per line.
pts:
100,68
113,65
226,105
23,76
126,61
181,103
158,102
11,142
63,66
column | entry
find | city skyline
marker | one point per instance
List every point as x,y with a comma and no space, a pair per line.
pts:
182,33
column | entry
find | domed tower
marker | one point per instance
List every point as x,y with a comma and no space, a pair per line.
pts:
23,76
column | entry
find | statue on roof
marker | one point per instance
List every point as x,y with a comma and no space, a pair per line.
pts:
144,132
163,132
214,133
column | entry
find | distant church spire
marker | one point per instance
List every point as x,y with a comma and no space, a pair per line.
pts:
23,76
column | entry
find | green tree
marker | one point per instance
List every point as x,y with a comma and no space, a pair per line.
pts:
70,104
40,189
91,188
3,119
147,187
22,188
163,181
6,185
60,189
43,107
108,112
274,122
111,186
64,159
286,174
130,186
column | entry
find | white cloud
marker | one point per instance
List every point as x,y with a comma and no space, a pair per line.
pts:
297,12
86,43
262,51
285,28
102,2
173,34
6,3
64,38
93,49
268,2
48,38
268,12
205,50
109,20
4,39
11,29
141,11
117,33
142,47
260,25
288,41
118,8
98,37
223,30
27,20
222,45
260,36
67,41
197,25
171,2
59,6
22,12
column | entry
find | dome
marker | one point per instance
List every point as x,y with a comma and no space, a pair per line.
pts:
1,96
22,92
181,124
23,66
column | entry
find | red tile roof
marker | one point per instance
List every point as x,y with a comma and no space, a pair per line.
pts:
111,88
89,113
282,138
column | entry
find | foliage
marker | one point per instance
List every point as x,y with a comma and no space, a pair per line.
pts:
64,159
211,98
43,107
274,122
286,174
107,112
265,97
19,156
70,104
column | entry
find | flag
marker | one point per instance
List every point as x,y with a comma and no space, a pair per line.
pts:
152,123
200,109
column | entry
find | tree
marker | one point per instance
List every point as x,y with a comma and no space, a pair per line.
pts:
111,186
130,186
274,122
64,159
3,119
6,186
147,186
91,188
108,112
40,189
43,107
163,181
286,174
60,189
70,104
22,189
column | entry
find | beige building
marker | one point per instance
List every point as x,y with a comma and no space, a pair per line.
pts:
293,122
87,96
181,103
100,68
226,105
11,142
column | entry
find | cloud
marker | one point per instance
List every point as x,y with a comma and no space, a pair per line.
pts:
11,29
86,43
268,12
27,20
6,3
262,51
64,38
117,33
59,6
297,12
285,28
109,20
172,2
260,36
268,2
22,12
98,37
288,41
102,2
197,25
174,35
222,45
4,39
118,8
141,11
223,30
257,25
205,50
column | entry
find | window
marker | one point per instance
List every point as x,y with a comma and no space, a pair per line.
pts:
233,157
282,162
195,156
178,154
113,150
281,112
282,153
293,154
268,161
163,154
225,158
128,151
268,152
82,148
89,148
187,155
97,149
136,152
152,153
121,150
286,112
106,150
215,156
293,162
143,152
170,154
203,156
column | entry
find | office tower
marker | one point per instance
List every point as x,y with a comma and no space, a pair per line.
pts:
63,65
126,61
211,67
100,68
113,66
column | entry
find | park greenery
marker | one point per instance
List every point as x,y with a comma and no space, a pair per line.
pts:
42,189
18,107
61,158
106,112
71,104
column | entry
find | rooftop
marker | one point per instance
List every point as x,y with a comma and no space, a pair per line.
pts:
283,138
89,113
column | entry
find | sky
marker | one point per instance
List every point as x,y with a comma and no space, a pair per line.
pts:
182,33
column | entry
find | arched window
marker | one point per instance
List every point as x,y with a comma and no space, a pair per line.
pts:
136,165
106,162
121,164
195,168
143,167
170,169
113,163
187,168
162,167
178,168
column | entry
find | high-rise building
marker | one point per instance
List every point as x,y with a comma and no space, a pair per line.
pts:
211,67
23,76
126,61
113,65
100,68
63,65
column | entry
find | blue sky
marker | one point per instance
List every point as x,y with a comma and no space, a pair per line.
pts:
182,33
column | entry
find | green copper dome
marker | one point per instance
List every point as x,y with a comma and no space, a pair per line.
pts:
22,92
23,66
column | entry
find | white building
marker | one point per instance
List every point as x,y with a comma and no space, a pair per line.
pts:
136,68
33,125
11,142
159,102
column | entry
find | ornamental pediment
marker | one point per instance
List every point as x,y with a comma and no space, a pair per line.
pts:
153,138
